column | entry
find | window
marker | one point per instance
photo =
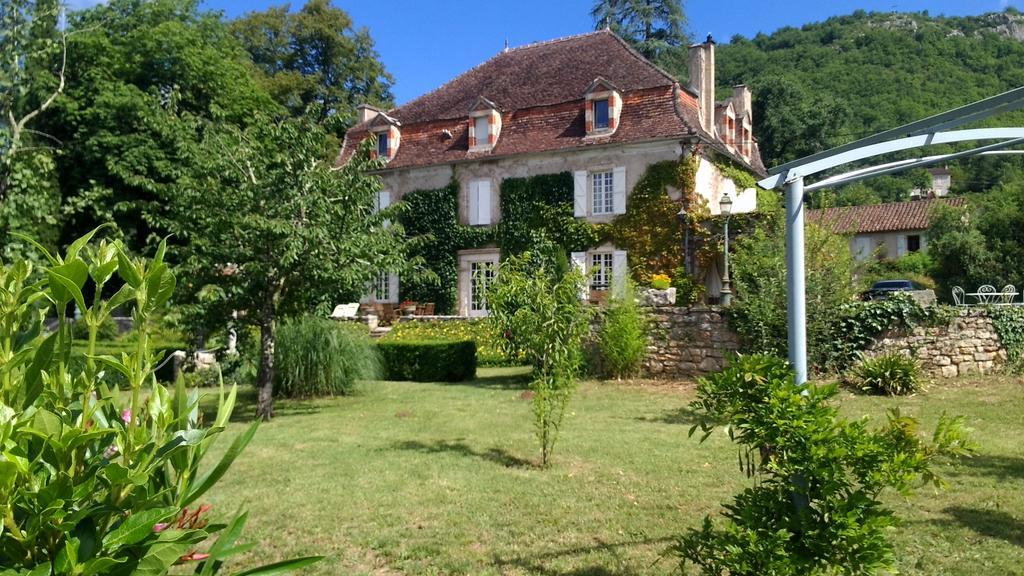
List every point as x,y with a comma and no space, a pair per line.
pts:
913,243
601,271
383,288
601,114
481,128
481,276
382,145
602,193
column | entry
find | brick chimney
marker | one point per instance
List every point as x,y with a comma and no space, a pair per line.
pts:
702,81
365,112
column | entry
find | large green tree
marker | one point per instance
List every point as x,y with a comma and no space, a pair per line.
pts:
315,56
656,28
143,75
31,79
269,228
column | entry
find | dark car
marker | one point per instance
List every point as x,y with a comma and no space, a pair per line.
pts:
882,289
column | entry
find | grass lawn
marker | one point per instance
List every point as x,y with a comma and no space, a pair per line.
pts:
409,478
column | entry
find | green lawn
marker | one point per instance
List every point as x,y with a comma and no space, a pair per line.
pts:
410,478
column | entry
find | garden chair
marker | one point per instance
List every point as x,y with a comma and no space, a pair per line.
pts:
958,296
987,294
1009,293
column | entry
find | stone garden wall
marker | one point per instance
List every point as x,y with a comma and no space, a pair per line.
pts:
970,344
687,342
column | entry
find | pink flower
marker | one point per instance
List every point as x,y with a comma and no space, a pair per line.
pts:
110,452
193,556
160,527
126,415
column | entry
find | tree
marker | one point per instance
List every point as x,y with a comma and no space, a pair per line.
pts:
145,75
656,28
271,229
536,303
315,57
31,80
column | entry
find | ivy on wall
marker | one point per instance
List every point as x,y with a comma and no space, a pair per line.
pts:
432,216
1009,324
539,209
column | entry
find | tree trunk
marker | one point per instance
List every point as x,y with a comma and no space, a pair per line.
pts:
265,379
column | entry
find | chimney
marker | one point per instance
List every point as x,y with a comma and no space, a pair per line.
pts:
365,112
702,81
741,100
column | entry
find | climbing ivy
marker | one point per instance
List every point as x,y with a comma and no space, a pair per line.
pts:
539,209
432,216
1009,324
740,176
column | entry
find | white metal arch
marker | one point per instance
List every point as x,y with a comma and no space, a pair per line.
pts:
931,131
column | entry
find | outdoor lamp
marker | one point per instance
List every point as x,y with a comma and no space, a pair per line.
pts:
725,207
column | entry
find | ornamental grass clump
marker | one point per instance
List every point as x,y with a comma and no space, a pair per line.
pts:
892,374
319,357
622,339
816,508
94,480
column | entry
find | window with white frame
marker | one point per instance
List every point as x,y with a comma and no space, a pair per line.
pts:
383,287
481,129
382,144
601,272
601,114
602,190
481,276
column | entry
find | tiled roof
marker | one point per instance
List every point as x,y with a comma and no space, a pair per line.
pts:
891,217
539,91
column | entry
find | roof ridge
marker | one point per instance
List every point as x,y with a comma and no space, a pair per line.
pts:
559,39
643,59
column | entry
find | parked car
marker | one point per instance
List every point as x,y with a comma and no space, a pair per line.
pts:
883,288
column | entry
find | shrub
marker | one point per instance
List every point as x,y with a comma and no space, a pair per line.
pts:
106,330
428,360
622,338
661,282
816,508
319,357
688,290
489,341
536,302
92,480
892,374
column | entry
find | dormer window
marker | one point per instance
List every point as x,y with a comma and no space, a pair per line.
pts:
382,145
601,115
484,125
386,130
603,107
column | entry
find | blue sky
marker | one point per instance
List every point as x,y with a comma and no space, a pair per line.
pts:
424,43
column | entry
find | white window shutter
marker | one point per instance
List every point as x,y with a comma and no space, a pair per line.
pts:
619,271
383,199
901,245
483,202
619,190
393,287
579,262
474,201
579,199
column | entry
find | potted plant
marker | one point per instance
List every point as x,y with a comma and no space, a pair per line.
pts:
408,308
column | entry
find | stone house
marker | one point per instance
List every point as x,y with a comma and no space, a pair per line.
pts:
588,106
882,231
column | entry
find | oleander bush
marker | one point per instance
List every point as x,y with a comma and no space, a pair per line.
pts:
316,356
893,374
94,480
428,360
816,507
489,340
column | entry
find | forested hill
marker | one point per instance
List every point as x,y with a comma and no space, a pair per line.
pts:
832,82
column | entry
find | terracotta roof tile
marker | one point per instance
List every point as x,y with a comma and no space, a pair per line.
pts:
891,217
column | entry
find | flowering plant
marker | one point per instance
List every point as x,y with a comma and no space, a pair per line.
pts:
660,281
94,480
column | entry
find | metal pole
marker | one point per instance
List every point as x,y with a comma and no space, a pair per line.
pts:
796,292
726,288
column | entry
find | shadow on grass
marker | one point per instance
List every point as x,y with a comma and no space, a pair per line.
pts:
535,564
684,415
989,523
1002,468
498,456
245,406
506,379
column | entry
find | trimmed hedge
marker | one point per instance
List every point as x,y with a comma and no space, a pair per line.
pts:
489,342
428,361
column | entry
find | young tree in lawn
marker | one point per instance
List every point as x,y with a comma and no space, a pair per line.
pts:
271,229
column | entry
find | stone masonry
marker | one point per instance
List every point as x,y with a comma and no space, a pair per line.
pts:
687,342
970,344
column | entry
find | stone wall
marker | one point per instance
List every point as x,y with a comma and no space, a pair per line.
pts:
970,344
687,342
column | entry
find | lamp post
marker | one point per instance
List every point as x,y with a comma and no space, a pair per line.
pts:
684,222
725,207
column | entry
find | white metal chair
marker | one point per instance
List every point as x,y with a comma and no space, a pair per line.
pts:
958,296
1009,293
987,294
